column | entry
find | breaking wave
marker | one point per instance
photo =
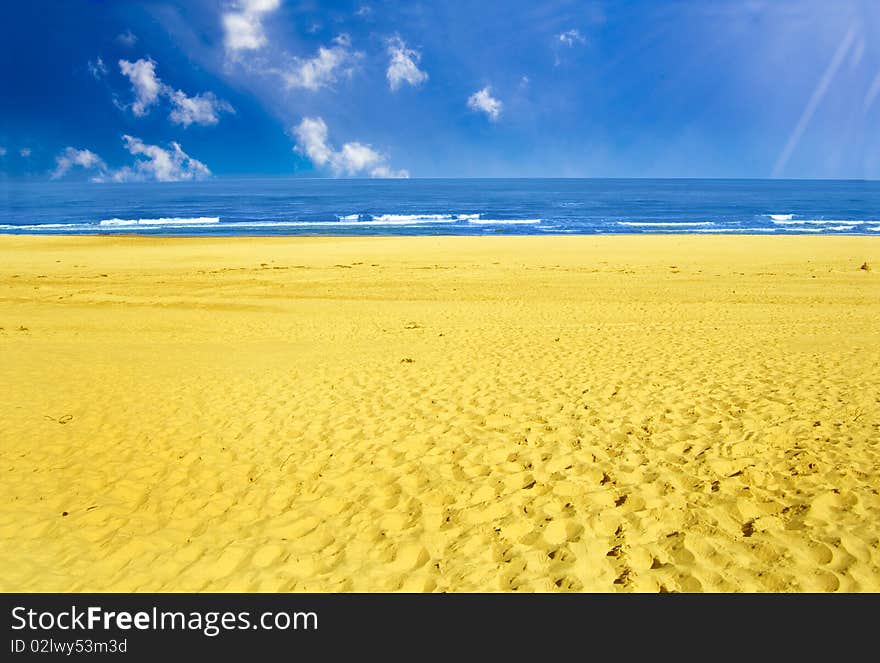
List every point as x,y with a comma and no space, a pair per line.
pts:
664,224
169,221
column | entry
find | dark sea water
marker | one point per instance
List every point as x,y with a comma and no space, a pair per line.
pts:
288,206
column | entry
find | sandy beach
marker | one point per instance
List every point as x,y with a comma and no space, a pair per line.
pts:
602,414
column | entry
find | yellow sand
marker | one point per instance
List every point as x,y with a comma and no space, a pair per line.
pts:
447,414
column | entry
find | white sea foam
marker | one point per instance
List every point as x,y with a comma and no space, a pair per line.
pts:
108,225
39,226
505,222
781,217
414,219
710,231
665,224
816,222
323,224
170,221
350,222
383,220
734,230
424,218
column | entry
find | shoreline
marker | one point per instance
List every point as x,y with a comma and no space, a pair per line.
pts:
485,235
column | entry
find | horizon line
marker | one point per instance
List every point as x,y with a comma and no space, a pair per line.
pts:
4,177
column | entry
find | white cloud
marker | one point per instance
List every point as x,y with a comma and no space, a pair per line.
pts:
403,66
157,164
571,37
353,159
482,100
386,172
311,136
97,68
356,158
25,152
203,108
146,85
71,157
127,38
2,151
363,11
323,69
243,25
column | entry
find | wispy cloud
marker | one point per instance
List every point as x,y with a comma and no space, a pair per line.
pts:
71,157
2,151
244,32
325,67
403,66
157,164
153,163
144,83
352,159
571,37
243,25
204,108
25,152
97,68
483,101
126,38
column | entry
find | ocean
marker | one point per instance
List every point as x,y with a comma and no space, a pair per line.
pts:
295,206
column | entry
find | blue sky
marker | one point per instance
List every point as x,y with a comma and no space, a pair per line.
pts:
121,91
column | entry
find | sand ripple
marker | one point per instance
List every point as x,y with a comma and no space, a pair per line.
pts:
535,414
